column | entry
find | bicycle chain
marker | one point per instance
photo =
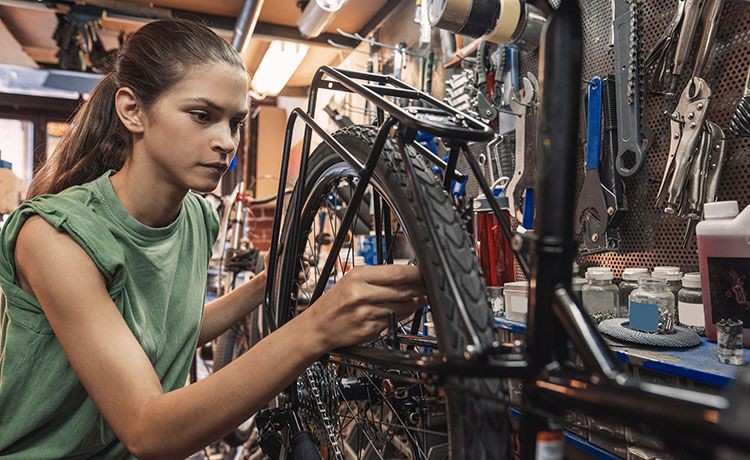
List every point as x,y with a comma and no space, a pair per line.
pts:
317,410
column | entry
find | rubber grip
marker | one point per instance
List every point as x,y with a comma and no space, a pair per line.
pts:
594,125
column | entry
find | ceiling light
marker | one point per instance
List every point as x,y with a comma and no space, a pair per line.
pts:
278,66
317,15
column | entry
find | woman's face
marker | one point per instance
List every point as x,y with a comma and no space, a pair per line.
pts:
193,130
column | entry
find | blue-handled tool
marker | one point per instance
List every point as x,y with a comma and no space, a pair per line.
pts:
594,126
592,208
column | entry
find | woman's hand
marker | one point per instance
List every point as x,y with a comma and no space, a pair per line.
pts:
356,309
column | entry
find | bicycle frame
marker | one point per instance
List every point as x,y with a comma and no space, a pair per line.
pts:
696,420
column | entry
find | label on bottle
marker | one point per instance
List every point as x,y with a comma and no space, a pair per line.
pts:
729,285
691,314
549,445
644,316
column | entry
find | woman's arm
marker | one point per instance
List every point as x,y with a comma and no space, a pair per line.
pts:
223,312
117,374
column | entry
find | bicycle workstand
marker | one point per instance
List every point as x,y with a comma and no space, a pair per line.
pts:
699,422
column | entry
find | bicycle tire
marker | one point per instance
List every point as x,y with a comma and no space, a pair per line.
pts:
477,429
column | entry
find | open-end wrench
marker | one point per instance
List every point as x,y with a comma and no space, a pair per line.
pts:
523,177
631,143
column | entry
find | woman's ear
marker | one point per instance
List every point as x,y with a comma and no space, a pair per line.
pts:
129,110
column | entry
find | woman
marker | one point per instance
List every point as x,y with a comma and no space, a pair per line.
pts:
103,271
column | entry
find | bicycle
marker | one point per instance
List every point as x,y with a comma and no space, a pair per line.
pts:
411,395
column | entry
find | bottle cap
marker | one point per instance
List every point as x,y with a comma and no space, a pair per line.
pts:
600,275
667,276
721,210
667,269
481,203
632,274
577,283
692,280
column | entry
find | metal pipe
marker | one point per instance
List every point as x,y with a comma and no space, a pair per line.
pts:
245,25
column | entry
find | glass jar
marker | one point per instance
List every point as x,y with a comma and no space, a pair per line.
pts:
600,297
629,284
673,277
576,285
652,306
690,303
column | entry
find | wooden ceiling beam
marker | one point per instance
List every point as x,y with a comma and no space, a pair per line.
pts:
12,52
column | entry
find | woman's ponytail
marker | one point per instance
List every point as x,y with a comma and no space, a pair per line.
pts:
97,141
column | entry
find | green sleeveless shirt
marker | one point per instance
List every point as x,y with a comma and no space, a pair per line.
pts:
156,278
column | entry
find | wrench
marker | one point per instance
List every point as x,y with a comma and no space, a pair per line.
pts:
523,177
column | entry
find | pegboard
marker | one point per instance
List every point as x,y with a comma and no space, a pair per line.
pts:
649,237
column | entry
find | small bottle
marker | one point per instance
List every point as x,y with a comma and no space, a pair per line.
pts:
600,297
652,306
690,303
673,277
629,284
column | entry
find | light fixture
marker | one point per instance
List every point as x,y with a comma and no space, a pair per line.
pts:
317,15
278,66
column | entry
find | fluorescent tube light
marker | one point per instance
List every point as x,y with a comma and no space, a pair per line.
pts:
317,15
278,66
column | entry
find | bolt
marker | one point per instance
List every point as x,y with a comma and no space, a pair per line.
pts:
676,136
693,125
470,352
595,237
610,210
691,115
700,106
489,112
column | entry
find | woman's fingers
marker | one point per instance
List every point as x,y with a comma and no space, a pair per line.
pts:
390,275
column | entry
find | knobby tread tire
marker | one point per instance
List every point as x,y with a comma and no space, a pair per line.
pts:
479,428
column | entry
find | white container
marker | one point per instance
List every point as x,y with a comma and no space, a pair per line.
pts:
516,300
724,256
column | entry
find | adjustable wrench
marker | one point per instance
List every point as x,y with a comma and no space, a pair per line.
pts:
523,177
686,130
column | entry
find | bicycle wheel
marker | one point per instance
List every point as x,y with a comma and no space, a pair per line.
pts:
371,411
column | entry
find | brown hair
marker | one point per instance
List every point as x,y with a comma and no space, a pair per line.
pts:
150,62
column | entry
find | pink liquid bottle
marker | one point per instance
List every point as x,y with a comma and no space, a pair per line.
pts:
724,253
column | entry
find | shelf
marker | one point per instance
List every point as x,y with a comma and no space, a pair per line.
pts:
697,364
577,442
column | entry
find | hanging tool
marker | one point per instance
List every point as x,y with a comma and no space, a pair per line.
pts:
740,124
705,172
633,138
670,54
686,130
592,206
710,21
612,185
523,178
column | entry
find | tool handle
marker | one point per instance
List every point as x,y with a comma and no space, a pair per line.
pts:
529,202
514,62
746,93
594,125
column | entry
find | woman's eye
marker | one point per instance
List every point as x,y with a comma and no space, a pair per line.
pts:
199,116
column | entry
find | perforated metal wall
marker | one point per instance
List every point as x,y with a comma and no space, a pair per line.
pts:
650,237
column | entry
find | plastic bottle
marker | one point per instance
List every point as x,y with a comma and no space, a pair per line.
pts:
724,257
600,296
690,303
629,284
